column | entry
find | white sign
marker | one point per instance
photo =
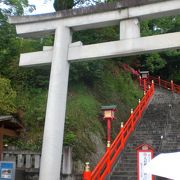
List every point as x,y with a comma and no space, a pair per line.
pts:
144,158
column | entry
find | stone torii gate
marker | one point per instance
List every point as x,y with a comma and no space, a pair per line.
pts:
127,14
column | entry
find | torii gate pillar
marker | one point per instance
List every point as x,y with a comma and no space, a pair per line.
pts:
56,107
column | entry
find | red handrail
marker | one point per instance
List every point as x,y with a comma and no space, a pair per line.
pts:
106,163
165,84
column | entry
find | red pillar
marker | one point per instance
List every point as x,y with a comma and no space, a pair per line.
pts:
108,156
145,84
108,130
159,81
172,86
122,130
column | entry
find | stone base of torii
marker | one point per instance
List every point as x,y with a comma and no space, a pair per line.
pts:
127,14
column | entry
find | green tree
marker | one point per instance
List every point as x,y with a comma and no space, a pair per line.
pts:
166,63
154,62
15,7
7,97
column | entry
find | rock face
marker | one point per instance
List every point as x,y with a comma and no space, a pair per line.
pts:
159,128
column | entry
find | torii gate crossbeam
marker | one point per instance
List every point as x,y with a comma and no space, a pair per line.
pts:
127,14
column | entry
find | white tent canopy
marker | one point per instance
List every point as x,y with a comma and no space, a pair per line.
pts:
165,165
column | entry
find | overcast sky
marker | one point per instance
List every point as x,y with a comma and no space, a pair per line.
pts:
42,6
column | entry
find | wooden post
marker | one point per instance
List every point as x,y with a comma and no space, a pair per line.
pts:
1,145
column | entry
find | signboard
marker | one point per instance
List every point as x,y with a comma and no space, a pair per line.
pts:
144,158
144,155
7,170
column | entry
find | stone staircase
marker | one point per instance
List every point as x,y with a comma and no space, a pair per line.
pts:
159,128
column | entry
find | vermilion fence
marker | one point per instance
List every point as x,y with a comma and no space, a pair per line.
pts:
104,166
165,84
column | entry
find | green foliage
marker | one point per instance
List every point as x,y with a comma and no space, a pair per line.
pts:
81,119
14,7
171,70
97,35
33,103
167,24
82,110
160,26
88,72
162,63
7,97
176,76
154,62
70,138
25,143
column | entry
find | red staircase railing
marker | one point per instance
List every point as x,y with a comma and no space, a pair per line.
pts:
165,84
104,166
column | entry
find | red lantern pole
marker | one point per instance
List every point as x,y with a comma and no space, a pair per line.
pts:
145,84
144,77
159,81
108,130
108,112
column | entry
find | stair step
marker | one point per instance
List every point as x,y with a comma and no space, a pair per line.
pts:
125,173
117,177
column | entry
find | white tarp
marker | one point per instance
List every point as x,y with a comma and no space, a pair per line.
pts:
165,165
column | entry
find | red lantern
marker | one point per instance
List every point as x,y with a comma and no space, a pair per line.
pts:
108,115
